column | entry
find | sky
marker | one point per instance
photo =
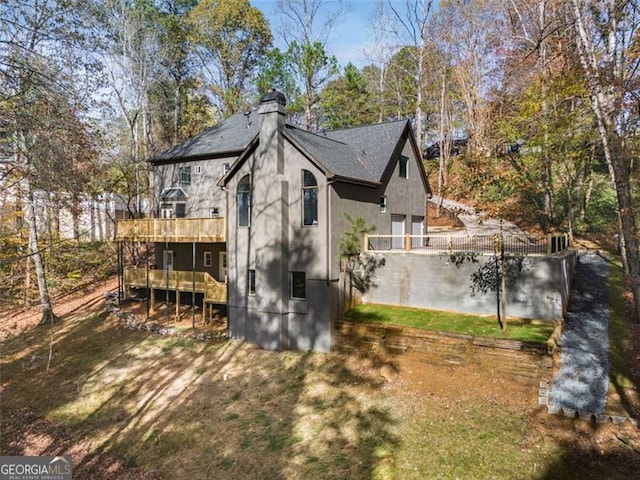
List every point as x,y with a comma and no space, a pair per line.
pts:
349,38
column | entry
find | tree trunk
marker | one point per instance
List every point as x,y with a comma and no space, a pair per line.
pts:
30,219
605,74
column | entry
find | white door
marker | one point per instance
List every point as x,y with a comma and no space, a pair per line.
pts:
417,232
167,259
397,231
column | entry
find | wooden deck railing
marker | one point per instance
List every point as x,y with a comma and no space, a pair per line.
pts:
210,230
177,280
479,244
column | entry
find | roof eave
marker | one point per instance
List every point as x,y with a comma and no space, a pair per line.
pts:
193,158
355,181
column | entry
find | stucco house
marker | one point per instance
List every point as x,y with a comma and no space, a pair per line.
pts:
254,208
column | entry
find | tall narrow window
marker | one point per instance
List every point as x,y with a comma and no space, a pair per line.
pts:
403,167
309,199
185,176
207,259
298,281
252,282
243,199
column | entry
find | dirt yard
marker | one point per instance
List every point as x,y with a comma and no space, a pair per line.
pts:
134,405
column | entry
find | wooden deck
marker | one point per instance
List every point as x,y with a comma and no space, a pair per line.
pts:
201,230
177,281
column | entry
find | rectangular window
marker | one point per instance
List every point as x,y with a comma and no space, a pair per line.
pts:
298,282
310,206
252,282
225,168
185,176
197,169
207,259
383,204
222,262
214,212
403,167
181,210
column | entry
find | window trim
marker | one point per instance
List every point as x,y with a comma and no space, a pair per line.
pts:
292,283
208,259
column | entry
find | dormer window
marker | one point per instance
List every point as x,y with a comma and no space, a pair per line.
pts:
309,199
403,167
243,200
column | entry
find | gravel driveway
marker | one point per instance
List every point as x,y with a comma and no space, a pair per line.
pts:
582,380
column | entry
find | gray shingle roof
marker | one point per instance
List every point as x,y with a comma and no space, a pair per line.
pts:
373,144
336,157
360,153
231,135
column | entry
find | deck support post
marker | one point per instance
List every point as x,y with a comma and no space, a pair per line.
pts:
193,287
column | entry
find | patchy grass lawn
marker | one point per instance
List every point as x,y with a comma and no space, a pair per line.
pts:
537,332
196,410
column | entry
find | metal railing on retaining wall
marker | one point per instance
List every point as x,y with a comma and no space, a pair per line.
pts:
479,244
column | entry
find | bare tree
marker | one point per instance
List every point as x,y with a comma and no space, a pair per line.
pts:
306,29
467,35
605,31
40,112
413,20
380,53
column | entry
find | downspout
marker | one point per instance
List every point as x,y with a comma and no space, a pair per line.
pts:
329,249
328,229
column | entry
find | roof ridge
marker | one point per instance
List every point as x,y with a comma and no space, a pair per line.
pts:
323,136
368,125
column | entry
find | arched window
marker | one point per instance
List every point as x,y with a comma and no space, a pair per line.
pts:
243,199
309,199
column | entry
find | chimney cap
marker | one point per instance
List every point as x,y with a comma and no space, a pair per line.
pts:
274,96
